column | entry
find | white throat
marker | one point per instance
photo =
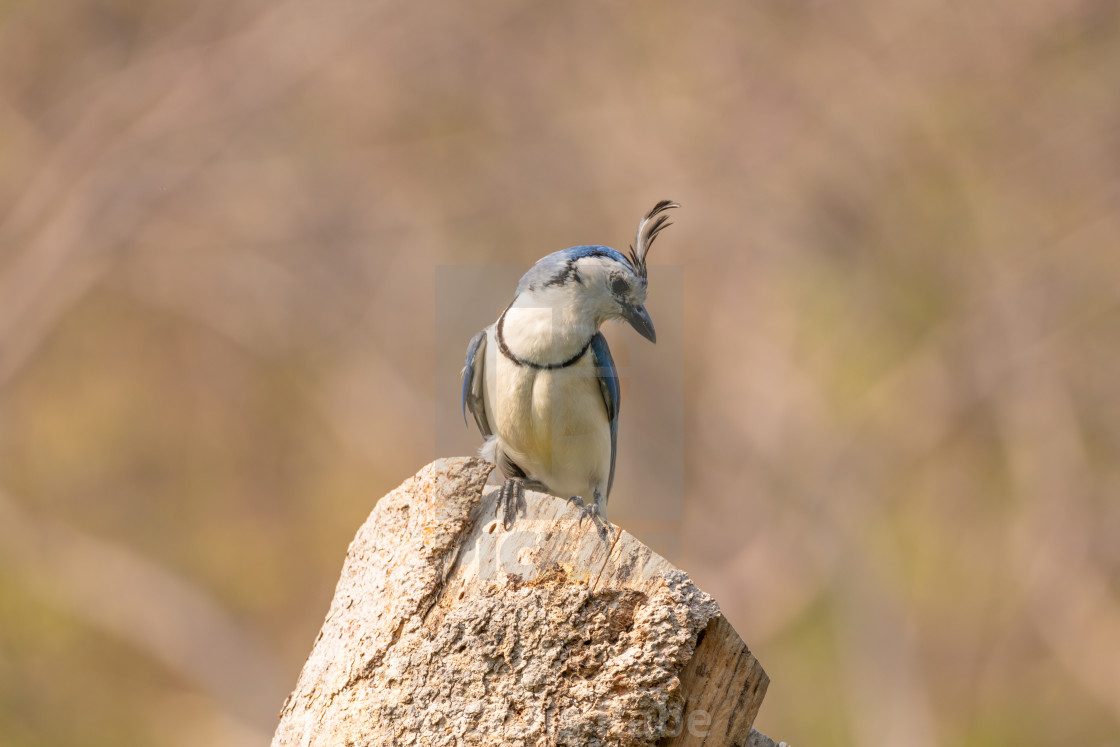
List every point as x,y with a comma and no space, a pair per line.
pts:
547,327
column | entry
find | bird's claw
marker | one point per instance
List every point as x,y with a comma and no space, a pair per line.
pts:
592,512
511,501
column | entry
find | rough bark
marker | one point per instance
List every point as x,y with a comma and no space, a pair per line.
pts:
445,629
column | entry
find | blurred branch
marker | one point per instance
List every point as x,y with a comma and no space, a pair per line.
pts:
890,703
147,607
1067,594
119,162
349,396
100,184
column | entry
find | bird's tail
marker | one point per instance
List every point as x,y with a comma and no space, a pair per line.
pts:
489,449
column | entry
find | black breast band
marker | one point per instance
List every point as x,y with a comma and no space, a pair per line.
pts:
531,364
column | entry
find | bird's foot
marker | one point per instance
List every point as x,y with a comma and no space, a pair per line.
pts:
592,512
511,501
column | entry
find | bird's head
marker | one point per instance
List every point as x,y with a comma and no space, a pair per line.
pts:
598,282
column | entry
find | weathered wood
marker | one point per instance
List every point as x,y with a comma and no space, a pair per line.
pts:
447,629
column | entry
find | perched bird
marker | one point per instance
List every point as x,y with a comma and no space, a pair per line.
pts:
541,383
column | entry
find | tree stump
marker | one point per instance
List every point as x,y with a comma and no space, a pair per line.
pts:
445,629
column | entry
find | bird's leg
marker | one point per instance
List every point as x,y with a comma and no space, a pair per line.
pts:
511,501
595,513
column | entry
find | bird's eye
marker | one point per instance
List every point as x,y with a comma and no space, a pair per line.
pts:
619,287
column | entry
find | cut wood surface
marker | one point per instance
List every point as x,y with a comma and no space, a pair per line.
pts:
447,629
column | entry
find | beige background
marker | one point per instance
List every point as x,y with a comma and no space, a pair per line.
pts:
886,392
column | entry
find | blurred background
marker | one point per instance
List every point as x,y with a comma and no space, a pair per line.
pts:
881,425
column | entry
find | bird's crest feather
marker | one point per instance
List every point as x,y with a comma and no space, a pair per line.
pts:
652,224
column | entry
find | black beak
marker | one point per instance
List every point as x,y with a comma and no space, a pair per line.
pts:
640,321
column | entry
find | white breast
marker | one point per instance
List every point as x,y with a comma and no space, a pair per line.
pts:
551,423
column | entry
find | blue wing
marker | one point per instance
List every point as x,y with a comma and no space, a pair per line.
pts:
473,382
612,394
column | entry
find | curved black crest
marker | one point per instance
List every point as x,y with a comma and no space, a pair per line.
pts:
652,224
